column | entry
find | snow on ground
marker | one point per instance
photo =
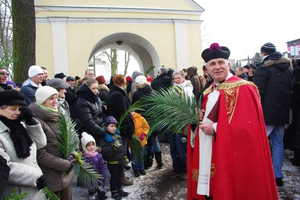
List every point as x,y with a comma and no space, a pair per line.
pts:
156,186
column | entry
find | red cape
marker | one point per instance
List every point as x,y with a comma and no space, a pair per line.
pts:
241,166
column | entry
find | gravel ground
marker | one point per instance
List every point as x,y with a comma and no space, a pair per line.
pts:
155,185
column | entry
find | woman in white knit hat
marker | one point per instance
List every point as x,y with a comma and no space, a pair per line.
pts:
56,169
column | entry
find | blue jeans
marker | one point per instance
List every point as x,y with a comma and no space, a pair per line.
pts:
276,133
178,153
138,163
152,145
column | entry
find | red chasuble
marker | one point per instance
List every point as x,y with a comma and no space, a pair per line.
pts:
241,165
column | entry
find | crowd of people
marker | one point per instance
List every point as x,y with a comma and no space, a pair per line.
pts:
228,150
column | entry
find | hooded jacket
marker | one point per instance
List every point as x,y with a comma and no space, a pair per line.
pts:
195,80
273,77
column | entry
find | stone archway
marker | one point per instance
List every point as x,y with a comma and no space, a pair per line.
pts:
144,53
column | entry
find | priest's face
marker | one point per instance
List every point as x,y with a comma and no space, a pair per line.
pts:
218,69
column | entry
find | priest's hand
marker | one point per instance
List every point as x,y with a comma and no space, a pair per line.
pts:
202,112
207,128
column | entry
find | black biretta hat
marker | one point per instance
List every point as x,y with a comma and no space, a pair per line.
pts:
11,97
215,51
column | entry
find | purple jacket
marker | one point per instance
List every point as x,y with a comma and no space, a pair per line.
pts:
98,164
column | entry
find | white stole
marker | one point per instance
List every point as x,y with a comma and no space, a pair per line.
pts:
205,148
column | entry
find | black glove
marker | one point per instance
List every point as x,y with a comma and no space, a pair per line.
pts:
26,114
71,159
71,167
41,182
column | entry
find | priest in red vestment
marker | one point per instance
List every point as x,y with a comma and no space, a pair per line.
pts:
228,153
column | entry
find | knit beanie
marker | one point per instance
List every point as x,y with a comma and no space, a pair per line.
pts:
141,80
34,70
100,79
110,120
268,48
178,89
85,139
43,93
136,74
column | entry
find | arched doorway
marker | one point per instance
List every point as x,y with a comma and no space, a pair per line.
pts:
141,49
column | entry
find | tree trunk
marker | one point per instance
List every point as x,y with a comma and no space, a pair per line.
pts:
23,14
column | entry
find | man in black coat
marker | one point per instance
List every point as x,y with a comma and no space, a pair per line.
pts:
71,97
164,79
273,78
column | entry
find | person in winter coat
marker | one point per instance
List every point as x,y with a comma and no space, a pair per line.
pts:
117,104
71,97
143,89
274,77
61,86
91,155
4,172
141,131
56,168
134,75
164,79
195,80
89,109
113,152
103,90
19,144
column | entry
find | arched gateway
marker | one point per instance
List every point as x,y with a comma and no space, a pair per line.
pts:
157,32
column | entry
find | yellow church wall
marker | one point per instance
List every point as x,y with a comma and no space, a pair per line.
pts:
195,47
174,4
44,50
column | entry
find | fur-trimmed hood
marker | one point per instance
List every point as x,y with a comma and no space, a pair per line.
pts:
103,86
278,61
142,86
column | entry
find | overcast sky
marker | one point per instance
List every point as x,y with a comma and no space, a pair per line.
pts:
245,25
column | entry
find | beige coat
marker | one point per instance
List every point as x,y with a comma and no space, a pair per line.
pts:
24,172
50,158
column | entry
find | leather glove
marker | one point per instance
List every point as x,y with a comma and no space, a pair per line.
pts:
117,144
108,138
26,114
142,137
41,182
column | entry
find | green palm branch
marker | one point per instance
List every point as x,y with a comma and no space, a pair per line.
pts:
166,108
136,147
149,70
87,175
68,142
49,194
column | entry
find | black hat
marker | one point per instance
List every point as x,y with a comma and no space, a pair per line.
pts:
70,78
11,97
215,51
246,66
77,78
268,48
60,75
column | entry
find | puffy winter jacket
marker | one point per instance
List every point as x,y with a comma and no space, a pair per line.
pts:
273,77
86,109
